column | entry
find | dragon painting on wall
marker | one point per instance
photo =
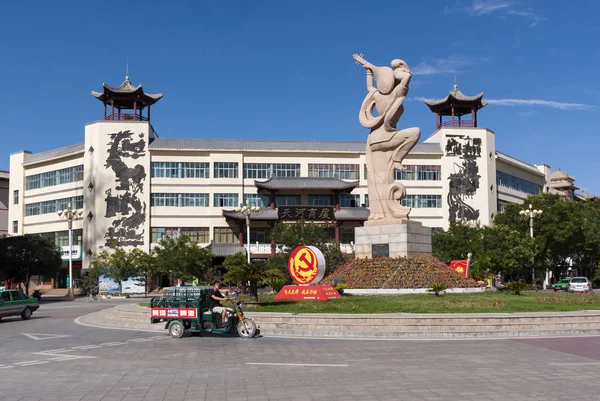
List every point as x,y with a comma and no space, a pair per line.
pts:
123,201
464,181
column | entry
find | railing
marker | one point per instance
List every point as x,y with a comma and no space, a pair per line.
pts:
125,117
457,123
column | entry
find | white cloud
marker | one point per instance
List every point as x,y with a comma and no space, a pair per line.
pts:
503,8
543,103
448,65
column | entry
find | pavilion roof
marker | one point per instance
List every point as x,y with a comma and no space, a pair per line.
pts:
462,103
125,94
306,183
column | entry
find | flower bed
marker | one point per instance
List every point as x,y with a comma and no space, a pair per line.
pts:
419,272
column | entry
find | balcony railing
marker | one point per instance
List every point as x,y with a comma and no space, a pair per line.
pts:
456,123
125,117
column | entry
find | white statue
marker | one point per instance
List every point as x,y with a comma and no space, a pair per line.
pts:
386,145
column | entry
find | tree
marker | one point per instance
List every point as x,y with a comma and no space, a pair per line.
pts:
239,270
505,250
458,242
28,255
116,264
181,258
144,264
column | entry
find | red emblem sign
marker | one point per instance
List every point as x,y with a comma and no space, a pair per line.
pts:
460,266
306,265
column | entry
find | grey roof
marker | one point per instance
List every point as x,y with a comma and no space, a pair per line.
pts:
455,95
126,88
265,213
306,183
352,213
273,145
226,249
54,153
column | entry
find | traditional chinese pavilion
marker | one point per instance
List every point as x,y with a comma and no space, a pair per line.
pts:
333,215
456,105
128,100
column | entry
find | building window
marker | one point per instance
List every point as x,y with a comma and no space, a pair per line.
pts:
365,172
262,235
342,171
257,200
179,200
346,235
61,238
366,201
199,235
226,170
180,170
225,200
517,184
320,200
419,173
349,200
287,200
16,197
502,205
225,235
53,206
55,177
15,227
422,201
268,170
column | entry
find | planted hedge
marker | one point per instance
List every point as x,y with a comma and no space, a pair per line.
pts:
418,272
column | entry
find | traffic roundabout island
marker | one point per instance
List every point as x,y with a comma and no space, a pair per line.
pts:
380,325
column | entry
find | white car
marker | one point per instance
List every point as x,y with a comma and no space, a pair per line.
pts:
579,284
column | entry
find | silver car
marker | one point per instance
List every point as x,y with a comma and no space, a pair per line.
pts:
580,284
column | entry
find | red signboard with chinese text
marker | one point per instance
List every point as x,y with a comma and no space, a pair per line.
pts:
307,292
174,313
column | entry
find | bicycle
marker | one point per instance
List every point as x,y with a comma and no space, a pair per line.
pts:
93,296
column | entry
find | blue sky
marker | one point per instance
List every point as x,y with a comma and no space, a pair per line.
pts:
270,69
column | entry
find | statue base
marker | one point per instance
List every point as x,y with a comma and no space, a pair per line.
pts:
309,292
392,238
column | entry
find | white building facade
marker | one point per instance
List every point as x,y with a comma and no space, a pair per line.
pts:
137,188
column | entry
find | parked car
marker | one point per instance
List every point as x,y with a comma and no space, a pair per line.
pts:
580,284
562,284
15,303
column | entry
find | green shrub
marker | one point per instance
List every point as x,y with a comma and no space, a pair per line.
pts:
276,283
517,287
438,289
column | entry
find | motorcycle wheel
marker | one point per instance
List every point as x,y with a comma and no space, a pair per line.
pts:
249,331
176,329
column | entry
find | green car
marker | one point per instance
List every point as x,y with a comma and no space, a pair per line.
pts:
562,284
15,303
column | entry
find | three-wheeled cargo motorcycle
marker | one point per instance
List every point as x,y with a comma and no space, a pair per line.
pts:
186,309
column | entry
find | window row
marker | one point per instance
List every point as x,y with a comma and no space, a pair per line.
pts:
232,200
268,170
56,177
516,183
61,238
201,235
422,201
341,171
419,173
53,206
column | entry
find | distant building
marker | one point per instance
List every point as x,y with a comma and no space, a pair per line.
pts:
4,195
139,188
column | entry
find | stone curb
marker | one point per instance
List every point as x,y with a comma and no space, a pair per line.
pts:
133,316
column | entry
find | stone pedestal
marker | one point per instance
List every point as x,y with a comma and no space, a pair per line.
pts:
392,238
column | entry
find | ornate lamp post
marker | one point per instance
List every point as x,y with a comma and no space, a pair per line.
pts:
70,214
530,214
247,210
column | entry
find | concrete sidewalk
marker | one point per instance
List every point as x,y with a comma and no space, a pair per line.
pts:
390,326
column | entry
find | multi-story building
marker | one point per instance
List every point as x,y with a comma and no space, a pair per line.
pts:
138,188
4,176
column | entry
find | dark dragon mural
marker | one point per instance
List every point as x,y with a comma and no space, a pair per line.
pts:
464,181
123,201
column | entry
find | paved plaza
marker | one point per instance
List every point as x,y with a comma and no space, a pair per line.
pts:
51,357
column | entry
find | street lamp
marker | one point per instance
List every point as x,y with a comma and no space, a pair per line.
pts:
530,214
247,210
70,214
